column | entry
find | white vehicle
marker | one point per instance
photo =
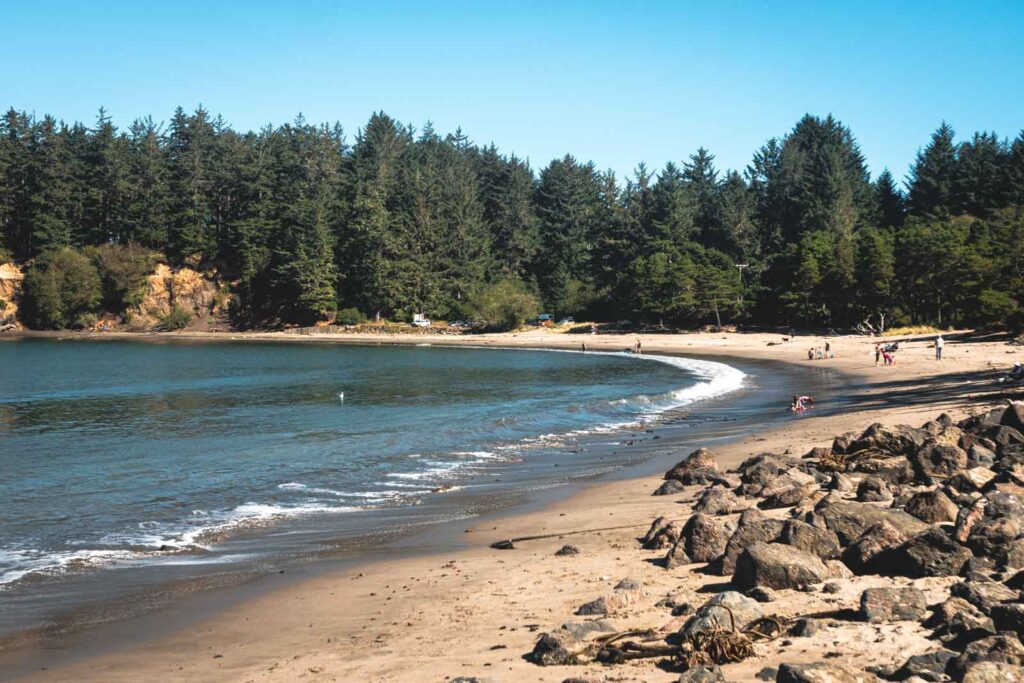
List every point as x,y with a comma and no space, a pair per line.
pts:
420,320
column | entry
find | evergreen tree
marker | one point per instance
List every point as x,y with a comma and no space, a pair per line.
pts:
890,201
933,177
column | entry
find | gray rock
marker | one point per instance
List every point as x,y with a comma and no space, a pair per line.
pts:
582,629
992,537
932,553
819,672
1013,417
761,594
882,605
876,540
677,557
805,627
702,674
670,488
850,520
935,462
568,551
1009,617
768,673
598,607
694,467
556,649
662,534
994,672
705,539
713,613
980,455
958,622
873,490
982,594
1000,649
971,480
752,529
930,666
898,440
717,500
821,542
932,507
628,585
777,566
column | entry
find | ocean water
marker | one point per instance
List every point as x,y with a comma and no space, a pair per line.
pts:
118,456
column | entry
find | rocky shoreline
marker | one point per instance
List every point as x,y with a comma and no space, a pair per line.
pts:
936,513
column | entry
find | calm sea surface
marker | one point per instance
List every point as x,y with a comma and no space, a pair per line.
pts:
119,456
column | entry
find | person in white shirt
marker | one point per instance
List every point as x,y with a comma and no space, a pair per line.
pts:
938,347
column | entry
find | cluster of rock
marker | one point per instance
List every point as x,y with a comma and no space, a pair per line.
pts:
945,499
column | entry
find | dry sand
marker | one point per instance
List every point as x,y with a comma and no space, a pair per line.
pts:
477,612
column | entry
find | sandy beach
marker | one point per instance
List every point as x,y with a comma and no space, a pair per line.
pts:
475,613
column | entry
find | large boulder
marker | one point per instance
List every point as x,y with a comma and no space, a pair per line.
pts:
705,539
663,533
971,480
932,553
930,666
994,672
873,490
821,542
957,622
1009,617
992,537
717,500
850,520
669,488
1013,417
772,565
751,529
935,462
898,440
885,604
820,672
984,595
762,470
720,612
1000,649
688,470
860,555
932,507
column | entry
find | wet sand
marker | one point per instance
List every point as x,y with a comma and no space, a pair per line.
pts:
476,611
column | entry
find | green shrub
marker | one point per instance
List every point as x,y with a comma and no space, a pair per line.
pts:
177,319
505,304
350,316
59,286
123,269
85,321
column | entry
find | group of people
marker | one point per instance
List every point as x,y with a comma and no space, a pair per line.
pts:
886,353
821,353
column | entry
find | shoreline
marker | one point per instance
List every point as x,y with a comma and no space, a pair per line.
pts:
254,646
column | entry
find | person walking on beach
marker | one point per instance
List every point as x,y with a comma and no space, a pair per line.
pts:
939,343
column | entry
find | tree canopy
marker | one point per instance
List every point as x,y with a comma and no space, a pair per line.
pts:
301,222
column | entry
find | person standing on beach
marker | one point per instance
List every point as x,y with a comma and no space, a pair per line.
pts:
939,343
639,349
878,353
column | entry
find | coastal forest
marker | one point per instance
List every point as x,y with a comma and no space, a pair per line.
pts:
301,224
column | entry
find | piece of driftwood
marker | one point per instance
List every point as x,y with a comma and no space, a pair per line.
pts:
509,543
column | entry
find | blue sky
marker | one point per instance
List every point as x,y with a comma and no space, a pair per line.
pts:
613,82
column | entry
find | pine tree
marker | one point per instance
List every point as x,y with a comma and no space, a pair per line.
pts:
890,201
933,177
